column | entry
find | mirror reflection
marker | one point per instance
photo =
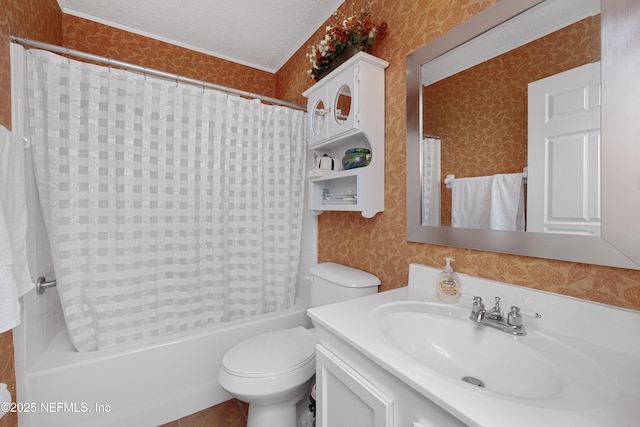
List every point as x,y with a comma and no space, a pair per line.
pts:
342,107
617,244
512,142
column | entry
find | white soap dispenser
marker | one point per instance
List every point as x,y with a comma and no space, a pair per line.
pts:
448,284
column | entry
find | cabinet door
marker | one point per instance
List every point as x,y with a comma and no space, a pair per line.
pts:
346,398
319,116
343,95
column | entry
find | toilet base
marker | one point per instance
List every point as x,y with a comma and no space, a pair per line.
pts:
284,414
280,415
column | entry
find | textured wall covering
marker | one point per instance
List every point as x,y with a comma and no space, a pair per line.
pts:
379,244
99,39
481,113
36,19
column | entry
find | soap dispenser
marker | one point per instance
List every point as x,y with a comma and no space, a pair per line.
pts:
448,284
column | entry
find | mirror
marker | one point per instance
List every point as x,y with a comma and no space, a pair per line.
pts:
612,247
518,108
342,107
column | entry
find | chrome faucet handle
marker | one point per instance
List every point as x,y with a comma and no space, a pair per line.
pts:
514,318
531,313
477,312
464,295
477,303
496,310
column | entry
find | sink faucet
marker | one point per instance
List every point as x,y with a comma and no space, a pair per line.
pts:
495,318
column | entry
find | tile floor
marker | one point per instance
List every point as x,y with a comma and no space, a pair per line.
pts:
232,413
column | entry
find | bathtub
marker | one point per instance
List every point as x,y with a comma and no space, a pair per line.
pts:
137,385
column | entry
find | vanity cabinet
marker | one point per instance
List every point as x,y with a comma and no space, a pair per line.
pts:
346,110
351,390
348,398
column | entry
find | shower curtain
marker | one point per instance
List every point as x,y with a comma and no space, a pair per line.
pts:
431,181
167,206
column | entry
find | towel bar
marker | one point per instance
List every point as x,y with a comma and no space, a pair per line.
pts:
42,285
448,180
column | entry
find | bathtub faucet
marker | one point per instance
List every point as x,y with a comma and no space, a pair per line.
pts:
495,318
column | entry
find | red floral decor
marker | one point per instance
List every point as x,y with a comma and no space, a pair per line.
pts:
358,32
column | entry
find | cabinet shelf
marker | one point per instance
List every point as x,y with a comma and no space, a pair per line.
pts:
346,139
346,110
338,174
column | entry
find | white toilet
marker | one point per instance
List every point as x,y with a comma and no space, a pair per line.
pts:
273,371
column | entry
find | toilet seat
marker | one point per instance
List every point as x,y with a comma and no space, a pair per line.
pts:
279,352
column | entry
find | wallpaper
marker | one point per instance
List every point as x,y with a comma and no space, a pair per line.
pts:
99,39
379,245
480,114
35,19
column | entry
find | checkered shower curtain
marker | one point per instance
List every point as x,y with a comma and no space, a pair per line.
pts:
168,207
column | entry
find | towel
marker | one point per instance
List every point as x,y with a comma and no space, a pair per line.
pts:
507,202
15,279
471,202
488,202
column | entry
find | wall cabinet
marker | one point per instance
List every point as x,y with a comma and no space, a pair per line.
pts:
346,110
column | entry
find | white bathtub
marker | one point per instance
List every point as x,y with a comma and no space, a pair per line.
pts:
137,385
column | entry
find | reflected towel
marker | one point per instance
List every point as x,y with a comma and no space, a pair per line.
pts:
507,202
15,279
470,202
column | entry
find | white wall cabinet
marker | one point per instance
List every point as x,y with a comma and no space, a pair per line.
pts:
346,110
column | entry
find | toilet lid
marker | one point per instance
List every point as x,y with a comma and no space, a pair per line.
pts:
271,353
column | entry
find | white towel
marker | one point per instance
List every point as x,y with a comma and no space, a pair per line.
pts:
15,279
470,202
507,202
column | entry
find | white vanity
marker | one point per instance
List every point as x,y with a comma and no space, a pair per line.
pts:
402,358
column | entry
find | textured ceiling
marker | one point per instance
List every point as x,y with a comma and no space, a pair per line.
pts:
259,33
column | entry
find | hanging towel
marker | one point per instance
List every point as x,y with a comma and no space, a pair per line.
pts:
507,202
470,202
15,279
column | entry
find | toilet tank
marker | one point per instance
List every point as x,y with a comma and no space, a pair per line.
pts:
331,282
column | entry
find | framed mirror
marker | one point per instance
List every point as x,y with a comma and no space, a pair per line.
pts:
611,247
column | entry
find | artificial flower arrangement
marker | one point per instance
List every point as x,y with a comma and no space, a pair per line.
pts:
357,31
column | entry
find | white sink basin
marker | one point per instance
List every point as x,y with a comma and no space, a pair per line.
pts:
536,367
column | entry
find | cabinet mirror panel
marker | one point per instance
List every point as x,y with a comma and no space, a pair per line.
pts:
499,157
342,107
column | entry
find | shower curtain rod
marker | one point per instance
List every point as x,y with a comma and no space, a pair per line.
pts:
149,71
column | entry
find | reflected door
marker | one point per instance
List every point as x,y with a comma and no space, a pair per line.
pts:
563,194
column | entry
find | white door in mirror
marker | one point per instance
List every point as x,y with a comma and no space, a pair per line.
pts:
564,153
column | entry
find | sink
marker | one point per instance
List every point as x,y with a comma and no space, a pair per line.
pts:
537,368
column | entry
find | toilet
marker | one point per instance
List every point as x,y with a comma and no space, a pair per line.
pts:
273,371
